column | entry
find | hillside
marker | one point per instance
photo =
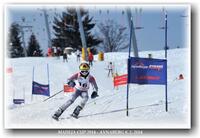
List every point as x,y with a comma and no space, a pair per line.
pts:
146,102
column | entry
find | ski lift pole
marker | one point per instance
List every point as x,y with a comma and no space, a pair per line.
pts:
23,39
83,40
133,37
23,42
166,35
47,28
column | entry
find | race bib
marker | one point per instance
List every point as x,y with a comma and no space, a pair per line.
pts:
83,83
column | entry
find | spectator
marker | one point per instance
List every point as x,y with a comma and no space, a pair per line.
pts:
35,53
65,55
78,55
110,69
90,59
58,52
54,51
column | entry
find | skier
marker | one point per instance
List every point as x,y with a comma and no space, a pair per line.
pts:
110,69
81,89
90,58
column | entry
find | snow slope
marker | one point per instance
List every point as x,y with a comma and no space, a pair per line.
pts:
146,102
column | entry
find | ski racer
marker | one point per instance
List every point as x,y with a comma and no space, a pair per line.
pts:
81,89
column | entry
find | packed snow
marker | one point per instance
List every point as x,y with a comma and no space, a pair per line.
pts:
146,102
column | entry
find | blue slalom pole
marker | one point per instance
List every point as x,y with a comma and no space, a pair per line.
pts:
166,96
32,83
33,73
48,72
129,55
166,35
48,77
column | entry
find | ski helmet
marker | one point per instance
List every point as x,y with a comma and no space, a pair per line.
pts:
84,66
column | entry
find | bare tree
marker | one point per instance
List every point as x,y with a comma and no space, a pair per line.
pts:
113,36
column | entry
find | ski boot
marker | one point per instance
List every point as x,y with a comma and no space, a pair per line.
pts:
57,114
76,112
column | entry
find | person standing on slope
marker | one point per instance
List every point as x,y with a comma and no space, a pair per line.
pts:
78,55
110,69
65,55
90,58
81,89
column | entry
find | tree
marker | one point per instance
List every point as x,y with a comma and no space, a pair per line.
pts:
14,43
113,36
34,47
66,30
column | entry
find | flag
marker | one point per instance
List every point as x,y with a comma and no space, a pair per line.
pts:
9,70
18,101
40,89
120,80
147,71
67,88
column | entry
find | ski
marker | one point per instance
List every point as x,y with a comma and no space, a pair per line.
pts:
69,117
56,119
74,116
63,118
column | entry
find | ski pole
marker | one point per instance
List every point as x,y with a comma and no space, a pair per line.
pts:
53,95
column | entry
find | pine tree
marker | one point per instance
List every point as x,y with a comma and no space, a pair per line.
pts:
14,47
34,47
66,29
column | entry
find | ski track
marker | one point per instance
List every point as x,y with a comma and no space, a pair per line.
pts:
96,113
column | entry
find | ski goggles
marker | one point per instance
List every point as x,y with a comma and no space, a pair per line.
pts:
84,72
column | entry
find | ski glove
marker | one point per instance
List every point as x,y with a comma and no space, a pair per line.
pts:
71,83
94,94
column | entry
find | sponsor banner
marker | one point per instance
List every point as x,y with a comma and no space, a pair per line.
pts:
147,71
18,101
40,89
9,70
120,80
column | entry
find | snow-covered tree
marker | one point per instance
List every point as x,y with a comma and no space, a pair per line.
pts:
66,30
14,42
